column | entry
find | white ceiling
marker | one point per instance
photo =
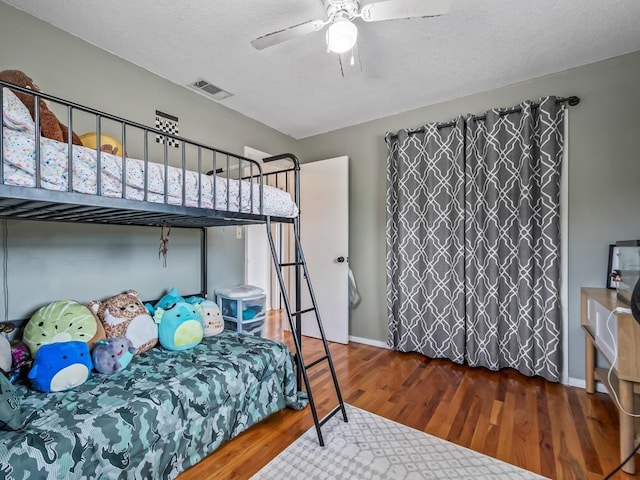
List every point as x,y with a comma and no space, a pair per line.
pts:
296,87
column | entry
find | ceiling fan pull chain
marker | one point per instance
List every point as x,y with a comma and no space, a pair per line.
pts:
353,60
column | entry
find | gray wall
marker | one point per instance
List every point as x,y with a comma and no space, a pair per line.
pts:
51,261
604,177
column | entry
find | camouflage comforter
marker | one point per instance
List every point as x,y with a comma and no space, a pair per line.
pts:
162,414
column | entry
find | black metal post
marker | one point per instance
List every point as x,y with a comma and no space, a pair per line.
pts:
203,258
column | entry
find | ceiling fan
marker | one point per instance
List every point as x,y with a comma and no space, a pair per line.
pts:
342,34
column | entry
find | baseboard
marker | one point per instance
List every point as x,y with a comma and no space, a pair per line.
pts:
578,382
368,341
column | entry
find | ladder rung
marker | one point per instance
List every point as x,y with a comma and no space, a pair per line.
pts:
291,264
315,362
301,374
330,414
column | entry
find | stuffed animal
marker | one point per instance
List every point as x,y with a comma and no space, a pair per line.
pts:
108,144
179,322
50,126
10,414
21,362
61,366
62,321
124,315
5,355
112,354
211,317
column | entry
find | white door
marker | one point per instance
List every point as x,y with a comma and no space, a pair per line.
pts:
258,259
324,224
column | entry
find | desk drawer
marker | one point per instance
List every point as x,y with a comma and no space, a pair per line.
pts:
604,325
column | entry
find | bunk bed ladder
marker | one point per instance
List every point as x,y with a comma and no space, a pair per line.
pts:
296,327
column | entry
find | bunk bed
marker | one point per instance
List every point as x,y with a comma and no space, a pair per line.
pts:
161,416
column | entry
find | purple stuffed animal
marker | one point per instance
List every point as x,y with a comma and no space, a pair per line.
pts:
112,354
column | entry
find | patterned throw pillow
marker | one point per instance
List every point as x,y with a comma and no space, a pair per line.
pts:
15,114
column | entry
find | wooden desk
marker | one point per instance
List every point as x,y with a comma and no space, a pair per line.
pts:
596,320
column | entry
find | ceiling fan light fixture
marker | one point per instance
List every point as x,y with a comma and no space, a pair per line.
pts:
341,36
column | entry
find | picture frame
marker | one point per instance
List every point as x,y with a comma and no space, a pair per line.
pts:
613,267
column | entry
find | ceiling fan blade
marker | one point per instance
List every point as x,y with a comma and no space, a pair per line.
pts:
350,62
280,36
395,9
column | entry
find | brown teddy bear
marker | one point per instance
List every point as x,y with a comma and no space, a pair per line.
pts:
50,126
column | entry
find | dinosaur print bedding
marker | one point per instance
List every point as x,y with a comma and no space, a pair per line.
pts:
161,415
216,192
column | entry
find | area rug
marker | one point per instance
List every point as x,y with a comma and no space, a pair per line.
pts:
373,447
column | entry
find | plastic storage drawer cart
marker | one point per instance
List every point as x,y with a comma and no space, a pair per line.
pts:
243,309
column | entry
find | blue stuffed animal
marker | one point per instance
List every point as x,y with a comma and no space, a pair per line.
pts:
179,323
61,366
112,354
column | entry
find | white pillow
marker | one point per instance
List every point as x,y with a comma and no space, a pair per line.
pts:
15,114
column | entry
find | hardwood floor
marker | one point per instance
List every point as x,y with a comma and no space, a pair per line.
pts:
557,431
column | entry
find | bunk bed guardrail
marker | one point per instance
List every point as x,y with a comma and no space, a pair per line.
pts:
64,203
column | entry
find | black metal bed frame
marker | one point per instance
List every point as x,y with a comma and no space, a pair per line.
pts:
37,203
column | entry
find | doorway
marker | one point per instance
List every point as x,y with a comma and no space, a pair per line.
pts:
324,208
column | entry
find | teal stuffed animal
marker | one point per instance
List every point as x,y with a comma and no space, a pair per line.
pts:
179,323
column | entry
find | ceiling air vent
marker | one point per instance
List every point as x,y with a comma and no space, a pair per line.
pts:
210,90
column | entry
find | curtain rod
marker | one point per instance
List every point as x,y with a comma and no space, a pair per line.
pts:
572,101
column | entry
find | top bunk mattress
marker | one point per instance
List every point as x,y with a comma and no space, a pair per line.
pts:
144,180
201,191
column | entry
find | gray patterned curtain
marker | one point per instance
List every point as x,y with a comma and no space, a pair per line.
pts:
473,240
425,241
512,247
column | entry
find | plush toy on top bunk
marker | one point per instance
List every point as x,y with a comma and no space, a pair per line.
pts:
108,144
50,126
179,322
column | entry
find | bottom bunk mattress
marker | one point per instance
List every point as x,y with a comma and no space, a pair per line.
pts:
162,414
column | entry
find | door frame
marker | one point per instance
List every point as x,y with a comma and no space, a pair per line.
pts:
281,240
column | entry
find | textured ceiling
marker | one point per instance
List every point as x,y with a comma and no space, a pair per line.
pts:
296,87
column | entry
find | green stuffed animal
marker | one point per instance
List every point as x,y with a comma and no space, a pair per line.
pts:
62,321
